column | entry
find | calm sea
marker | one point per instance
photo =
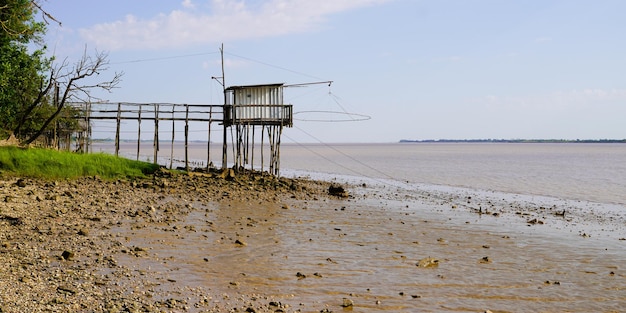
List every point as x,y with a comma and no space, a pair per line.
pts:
572,171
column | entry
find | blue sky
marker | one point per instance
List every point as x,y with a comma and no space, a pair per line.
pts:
420,69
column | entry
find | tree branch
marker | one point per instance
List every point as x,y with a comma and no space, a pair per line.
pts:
85,68
43,91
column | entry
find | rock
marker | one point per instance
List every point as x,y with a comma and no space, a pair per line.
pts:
228,174
485,260
428,262
53,197
336,190
83,232
21,183
67,255
67,289
347,303
240,242
163,183
13,221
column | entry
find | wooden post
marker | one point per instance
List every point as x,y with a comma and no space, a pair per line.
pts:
280,134
262,146
252,157
187,137
232,141
270,141
173,134
88,127
155,142
224,108
208,146
88,121
117,129
139,132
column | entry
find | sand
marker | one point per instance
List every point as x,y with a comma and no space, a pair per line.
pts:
252,243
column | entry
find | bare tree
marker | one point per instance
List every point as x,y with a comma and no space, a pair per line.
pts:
68,81
44,89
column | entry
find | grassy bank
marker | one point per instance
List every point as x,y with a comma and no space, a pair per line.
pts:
51,164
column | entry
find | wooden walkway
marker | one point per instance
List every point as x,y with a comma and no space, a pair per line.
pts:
243,121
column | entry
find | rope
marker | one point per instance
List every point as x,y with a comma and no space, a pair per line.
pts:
346,155
359,117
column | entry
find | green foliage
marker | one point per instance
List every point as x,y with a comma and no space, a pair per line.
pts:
18,22
51,164
22,72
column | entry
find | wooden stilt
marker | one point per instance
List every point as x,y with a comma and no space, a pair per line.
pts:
139,131
262,143
233,143
173,135
117,129
187,137
155,142
280,134
208,144
252,155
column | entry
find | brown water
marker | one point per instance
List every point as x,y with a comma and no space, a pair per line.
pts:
589,172
575,171
420,201
367,251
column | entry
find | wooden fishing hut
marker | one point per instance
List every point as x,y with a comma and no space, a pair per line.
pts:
249,112
251,107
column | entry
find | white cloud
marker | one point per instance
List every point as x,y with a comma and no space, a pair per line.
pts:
188,4
227,20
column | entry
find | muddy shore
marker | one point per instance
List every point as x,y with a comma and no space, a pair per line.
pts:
61,241
253,243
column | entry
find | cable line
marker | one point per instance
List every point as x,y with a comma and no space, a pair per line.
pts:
348,156
274,66
165,58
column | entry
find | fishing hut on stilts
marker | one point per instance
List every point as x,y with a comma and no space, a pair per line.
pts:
250,113
253,108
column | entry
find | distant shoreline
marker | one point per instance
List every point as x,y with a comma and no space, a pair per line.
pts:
418,141
514,141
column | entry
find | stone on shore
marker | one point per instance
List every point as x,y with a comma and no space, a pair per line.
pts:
428,262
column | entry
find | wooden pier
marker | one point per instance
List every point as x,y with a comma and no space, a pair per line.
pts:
249,112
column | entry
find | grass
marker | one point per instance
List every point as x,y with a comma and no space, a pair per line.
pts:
52,164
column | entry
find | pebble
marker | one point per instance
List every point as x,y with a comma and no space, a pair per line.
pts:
347,303
428,262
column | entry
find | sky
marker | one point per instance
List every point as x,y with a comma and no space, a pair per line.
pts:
400,69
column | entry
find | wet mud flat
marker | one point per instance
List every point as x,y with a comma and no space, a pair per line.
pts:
204,243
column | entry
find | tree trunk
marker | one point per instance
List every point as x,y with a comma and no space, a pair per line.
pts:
50,119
